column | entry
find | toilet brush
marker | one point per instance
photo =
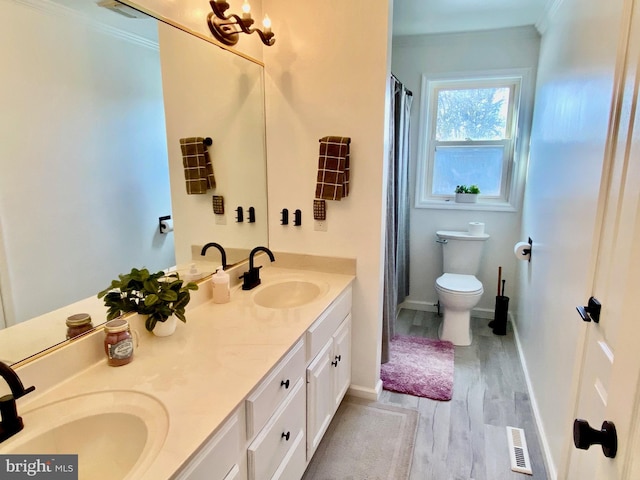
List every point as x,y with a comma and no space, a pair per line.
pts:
499,323
492,322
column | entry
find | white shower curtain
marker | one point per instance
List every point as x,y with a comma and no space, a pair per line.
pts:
396,271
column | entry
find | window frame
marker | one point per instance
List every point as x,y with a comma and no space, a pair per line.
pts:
517,130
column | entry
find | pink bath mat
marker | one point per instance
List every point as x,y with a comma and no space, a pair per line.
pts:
419,366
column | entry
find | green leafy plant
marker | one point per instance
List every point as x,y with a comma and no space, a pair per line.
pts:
157,295
166,296
470,189
127,292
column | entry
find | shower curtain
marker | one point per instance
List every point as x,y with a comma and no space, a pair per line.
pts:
396,268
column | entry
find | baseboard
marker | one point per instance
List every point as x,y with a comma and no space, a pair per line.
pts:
419,305
487,313
548,459
366,393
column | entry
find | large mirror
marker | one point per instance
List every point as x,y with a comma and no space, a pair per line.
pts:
95,102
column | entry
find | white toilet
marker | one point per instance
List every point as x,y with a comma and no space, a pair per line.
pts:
458,289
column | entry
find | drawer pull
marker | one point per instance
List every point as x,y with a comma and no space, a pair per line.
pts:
286,436
285,384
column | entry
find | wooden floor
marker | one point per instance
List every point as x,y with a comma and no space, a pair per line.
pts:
465,438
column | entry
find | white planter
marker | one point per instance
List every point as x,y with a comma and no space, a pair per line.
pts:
466,197
166,328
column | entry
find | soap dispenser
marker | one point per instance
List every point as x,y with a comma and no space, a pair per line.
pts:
220,284
193,274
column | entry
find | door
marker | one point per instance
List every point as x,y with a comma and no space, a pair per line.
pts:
342,360
320,405
609,387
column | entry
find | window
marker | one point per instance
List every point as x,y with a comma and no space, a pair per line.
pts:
468,136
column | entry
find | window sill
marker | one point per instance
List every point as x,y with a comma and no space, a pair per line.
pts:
480,205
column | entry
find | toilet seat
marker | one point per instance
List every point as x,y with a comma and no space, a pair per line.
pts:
457,284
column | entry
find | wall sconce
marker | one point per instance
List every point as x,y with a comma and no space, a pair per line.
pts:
226,29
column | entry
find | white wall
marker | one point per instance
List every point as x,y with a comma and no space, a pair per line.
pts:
329,76
83,160
574,88
417,55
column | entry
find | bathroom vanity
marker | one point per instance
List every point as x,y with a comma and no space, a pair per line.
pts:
243,390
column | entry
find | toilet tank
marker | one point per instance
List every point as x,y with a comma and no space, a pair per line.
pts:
461,252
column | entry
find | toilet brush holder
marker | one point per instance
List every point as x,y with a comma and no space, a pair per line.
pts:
499,322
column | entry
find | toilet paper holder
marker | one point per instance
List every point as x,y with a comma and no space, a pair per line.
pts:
163,224
530,249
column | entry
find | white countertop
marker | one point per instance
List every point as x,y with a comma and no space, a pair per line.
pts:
203,372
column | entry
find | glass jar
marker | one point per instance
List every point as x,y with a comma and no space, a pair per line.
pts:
78,324
118,342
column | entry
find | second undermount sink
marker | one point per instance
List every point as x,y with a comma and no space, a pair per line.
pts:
289,293
116,434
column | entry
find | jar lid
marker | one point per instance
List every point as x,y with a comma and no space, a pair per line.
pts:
116,326
78,319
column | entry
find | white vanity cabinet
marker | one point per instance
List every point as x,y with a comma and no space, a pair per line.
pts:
223,456
274,434
329,373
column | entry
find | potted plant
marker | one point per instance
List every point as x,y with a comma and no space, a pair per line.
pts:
158,295
165,299
127,293
466,194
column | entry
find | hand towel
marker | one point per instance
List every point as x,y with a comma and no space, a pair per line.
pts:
333,168
198,170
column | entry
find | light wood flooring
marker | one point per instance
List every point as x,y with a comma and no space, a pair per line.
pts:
465,438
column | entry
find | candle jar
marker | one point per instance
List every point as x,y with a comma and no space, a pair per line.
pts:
118,342
78,324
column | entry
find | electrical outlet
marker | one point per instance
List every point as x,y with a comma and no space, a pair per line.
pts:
320,225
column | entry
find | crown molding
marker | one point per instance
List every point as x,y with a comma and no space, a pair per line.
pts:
550,10
58,10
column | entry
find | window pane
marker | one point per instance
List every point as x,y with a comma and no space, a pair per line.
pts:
472,114
480,166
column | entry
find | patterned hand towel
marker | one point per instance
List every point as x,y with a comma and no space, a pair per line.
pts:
333,168
198,170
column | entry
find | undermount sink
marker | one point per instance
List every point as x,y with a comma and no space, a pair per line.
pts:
289,294
116,434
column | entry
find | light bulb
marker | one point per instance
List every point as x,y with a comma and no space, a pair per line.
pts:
266,23
246,8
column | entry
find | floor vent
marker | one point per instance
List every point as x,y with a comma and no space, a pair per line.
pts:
518,451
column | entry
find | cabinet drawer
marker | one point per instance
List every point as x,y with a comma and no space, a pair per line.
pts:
220,457
323,328
295,462
274,389
281,435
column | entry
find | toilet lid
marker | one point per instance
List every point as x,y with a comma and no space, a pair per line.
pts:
456,283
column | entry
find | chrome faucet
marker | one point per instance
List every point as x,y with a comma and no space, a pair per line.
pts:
251,279
11,423
223,254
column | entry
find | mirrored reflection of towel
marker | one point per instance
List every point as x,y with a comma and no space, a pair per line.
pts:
333,168
198,170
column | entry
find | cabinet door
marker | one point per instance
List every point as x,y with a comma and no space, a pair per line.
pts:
320,399
342,360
